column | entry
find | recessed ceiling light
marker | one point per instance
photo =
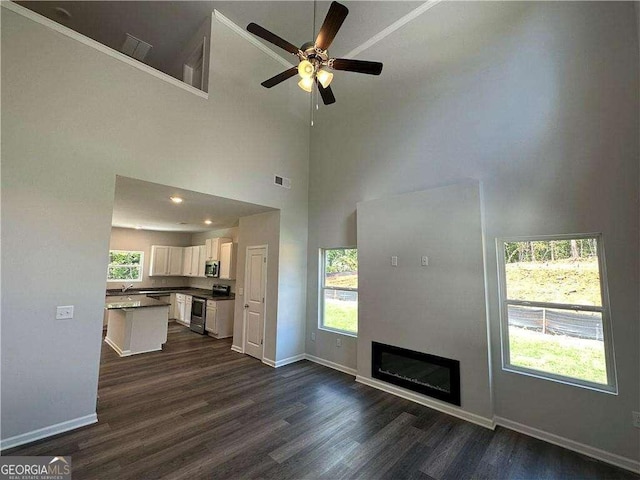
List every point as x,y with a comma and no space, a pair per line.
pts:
176,199
208,222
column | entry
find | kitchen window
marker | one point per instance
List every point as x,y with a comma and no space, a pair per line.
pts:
339,290
555,310
125,265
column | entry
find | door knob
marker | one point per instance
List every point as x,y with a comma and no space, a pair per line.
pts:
246,305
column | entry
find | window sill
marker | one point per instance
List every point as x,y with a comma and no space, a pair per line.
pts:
339,332
609,389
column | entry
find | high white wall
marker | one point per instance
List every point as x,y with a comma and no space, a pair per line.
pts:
72,119
142,240
539,101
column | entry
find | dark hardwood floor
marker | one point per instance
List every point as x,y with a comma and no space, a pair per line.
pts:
199,410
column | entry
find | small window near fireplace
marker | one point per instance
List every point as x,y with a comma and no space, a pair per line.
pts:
431,375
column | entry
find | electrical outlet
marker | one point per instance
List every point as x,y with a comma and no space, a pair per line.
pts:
338,342
313,336
394,261
424,261
64,312
636,419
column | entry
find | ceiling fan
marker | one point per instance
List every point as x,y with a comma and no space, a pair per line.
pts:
315,62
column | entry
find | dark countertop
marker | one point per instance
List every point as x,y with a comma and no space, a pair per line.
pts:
161,291
137,303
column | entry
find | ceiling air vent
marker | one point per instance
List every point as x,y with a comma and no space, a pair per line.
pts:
136,48
282,181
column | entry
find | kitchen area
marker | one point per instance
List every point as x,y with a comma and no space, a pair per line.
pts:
172,258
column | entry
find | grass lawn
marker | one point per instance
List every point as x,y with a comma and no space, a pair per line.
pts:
341,315
556,282
568,356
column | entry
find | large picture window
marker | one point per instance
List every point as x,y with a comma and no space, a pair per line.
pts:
125,265
555,311
339,290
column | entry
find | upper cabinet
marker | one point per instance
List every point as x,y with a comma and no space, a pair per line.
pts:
228,261
165,261
212,250
194,261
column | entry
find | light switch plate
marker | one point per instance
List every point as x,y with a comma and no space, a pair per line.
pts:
394,261
338,342
313,336
240,291
64,312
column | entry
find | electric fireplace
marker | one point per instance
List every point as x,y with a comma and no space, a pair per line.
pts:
437,377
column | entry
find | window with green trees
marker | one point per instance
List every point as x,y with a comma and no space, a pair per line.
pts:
339,290
125,265
555,312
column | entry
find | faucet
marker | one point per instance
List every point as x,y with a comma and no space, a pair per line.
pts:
126,287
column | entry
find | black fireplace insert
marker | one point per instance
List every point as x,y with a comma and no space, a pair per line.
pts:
437,377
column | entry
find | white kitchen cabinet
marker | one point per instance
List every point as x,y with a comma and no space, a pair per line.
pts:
195,261
187,309
186,261
219,319
213,247
175,261
202,260
180,307
228,261
165,261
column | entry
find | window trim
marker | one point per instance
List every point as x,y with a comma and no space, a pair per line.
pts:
607,331
322,288
141,279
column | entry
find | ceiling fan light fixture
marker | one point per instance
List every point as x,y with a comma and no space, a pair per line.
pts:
305,69
306,84
324,77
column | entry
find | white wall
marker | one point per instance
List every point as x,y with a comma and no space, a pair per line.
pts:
72,119
539,101
439,309
141,240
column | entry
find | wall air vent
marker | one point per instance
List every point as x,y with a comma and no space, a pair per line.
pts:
136,48
282,181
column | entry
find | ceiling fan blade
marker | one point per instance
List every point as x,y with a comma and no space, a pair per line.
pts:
326,94
281,77
359,66
272,38
332,23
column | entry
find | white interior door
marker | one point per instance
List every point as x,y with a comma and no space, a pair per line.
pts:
254,294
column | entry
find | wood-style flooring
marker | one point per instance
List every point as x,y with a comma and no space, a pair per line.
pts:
199,410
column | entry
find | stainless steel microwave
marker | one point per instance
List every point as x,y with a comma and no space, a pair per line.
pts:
212,269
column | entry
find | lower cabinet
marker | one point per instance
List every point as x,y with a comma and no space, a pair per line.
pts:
180,313
219,319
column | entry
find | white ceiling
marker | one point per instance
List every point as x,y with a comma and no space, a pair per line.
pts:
168,25
148,206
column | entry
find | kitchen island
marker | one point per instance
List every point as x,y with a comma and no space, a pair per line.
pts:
136,325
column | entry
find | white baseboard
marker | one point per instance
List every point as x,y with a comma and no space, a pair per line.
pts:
427,402
284,361
236,348
122,353
327,363
607,457
41,433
